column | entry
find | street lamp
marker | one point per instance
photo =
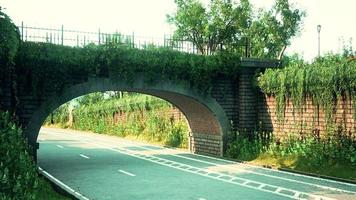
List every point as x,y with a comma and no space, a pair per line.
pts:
319,29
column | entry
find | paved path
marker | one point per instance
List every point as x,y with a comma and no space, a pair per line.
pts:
104,167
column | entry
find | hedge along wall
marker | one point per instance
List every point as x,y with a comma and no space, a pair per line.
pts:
318,98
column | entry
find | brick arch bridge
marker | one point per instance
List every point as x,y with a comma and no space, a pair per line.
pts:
207,119
231,104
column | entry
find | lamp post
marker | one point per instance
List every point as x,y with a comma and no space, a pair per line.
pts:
318,29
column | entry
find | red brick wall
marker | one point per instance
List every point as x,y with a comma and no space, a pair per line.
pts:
306,120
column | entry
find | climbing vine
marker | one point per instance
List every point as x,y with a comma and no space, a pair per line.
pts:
47,66
9,43
324,81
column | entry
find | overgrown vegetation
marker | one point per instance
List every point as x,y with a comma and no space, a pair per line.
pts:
310,154
43,67
135,116
18,174
9,43
325,80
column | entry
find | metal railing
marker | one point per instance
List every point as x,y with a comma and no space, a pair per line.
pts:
66,37
73,38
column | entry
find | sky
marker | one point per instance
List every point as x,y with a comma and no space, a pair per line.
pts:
148,18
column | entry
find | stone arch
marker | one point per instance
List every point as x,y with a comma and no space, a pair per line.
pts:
207,119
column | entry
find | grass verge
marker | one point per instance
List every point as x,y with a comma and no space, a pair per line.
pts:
338,170
47,192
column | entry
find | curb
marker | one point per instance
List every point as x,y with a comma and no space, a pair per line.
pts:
333,178
58,189
61,187
318,175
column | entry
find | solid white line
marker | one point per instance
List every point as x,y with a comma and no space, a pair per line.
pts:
62,185
249,171
134,154
60,146
144,157
127,173
84,156
268,169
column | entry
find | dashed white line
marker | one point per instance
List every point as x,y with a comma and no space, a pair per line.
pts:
127,173
60,146
249,171
84,156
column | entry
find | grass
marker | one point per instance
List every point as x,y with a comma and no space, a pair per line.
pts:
334,155
295,163
47,192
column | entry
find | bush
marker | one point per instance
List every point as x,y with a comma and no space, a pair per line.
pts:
18,175
9,40
336,148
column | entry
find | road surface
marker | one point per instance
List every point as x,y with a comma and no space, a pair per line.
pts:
102,167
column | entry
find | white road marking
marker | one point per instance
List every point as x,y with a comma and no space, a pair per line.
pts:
60,146
84,156
127,173
62,185
132,153
173,163
248,171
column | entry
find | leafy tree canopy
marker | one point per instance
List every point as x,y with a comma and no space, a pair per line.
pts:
232,25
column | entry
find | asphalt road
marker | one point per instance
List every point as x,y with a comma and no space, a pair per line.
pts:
104,167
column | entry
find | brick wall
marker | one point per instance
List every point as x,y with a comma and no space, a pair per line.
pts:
309,118
247,101
206,144
225,93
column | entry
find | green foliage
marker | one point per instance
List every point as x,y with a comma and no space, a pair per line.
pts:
210,28
9,43
230,25
134,115
43,67
9,40
336,149
271,32
325,80
18,175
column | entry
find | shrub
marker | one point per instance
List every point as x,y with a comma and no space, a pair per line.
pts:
18,175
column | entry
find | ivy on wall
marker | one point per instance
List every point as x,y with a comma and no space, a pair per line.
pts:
324,81
47,67
9,43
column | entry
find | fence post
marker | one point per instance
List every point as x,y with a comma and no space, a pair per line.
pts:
77,40
99,37
164,40
22,31
62,32
133,39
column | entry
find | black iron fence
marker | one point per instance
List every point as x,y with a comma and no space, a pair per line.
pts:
62,36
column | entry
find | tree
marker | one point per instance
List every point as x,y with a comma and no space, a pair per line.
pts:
234,27
272,31
209,29
90,99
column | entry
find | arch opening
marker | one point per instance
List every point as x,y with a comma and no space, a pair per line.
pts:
206,119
